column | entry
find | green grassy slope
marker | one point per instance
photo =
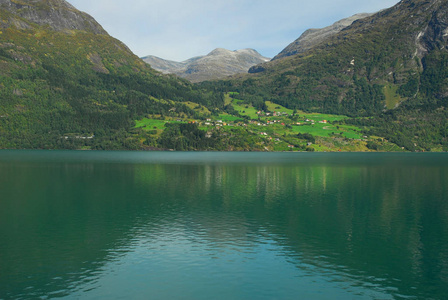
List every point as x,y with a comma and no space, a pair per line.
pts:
381,84
394,61
58,87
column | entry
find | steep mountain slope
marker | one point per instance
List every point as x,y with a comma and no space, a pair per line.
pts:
313,37
217,64
395,58
169,66
65,83
59,15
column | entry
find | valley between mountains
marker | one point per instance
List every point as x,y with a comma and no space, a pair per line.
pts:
371,82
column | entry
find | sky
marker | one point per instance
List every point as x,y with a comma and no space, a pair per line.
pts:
180,29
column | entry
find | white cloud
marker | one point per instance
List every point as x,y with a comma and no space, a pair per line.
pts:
180,29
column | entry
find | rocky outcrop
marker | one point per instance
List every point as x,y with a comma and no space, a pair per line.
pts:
57,14
168,66
217,64
436,34
313,37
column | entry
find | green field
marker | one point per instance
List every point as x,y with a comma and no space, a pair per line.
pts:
392,98
229,118
328,130
245,109
324,130
321,117
286,132
351,132
318,129
150,124
278,108
198,108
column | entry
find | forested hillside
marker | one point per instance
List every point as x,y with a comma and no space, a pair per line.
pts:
391,66
65,83
380,84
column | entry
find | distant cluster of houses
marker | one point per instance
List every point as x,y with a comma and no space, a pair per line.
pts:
269,138
314,122
275,114
220,123
78,137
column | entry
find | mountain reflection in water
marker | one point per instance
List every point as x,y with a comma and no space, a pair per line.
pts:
223,225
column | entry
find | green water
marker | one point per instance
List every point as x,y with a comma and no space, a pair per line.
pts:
134,225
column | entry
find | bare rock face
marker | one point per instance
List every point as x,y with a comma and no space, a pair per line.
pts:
313,37
58,14
217,64
169,66
435,36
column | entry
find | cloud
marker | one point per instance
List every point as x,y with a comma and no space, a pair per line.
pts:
180,29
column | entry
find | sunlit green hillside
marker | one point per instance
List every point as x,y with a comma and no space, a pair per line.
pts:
60,86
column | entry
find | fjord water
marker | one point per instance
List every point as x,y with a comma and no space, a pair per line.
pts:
156,225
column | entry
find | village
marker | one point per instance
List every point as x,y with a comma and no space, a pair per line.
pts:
274,129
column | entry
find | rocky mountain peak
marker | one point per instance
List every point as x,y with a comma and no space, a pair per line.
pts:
220,51
57,14
312,37
217,64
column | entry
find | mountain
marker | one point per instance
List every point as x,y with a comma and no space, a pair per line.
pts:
66,84
387,70
169,66
377,84
313,37
218,64
59,15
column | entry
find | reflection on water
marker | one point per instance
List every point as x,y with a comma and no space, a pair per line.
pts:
220,225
